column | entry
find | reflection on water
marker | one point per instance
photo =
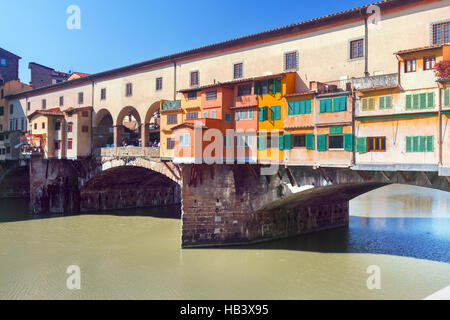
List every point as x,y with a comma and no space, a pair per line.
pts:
135,254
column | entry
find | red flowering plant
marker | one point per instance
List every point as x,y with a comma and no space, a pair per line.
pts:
443,69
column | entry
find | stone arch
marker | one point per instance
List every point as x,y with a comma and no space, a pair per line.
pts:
129,133
150,127
103,129
171,171
125,186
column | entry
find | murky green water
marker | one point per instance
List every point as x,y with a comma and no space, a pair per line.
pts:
135,254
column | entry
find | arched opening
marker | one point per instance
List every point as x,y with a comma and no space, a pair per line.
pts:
103,131
150,133
129,187
128,128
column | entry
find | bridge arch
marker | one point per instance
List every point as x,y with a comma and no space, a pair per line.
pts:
127,127
150,127
103,129
128,187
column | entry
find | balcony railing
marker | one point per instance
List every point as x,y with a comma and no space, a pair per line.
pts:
171,105
381,81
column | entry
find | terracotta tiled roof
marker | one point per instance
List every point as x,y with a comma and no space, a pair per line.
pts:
435,46
296,94
46,113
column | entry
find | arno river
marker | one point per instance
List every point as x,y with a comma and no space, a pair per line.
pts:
135,254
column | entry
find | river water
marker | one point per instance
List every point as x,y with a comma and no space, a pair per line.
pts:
135,254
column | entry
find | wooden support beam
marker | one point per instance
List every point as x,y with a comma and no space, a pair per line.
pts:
252,170
325,174
292,177
426,178
404,177
384,174
365,176
171,171
448,179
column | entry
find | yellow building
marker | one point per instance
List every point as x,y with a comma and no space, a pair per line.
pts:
271,94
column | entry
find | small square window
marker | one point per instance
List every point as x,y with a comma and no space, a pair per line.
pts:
429,63
238,70
290,61
84,129
3,62
357,49
61,101
103,94
80,98
194,81
211,95
410,65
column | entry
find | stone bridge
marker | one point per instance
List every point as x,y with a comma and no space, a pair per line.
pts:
221,204
235,204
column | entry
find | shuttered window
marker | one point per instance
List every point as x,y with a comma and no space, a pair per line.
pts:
263,114
385,102
291,61
446,98
368,104
420,144
336,130
336,104
376,144
299,107
322,142
361,144
211,95
287,142
275,85
261,142
310,141
348,142
420,101
275,113
261,87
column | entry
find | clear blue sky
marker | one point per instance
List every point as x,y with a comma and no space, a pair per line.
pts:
117,33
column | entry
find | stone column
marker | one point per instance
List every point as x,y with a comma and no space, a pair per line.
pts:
118,135
144,135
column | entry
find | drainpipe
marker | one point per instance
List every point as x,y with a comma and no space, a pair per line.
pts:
92,120
440,125
366,43
174,80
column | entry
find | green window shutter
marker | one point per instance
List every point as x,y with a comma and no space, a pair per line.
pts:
447,98
423,101
361,144
323,106
256,86
322,142
348,142
277,85
382,102
302,107
429,144
364,104
408,144
308,107
287,142
371,103
422,144
343,103
310,141
430,100
261,114
277,111
336,130
408,102
272,113
261,143
291,108
388,102
265,113
281,142
416,101
415,144
329,105
297,108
